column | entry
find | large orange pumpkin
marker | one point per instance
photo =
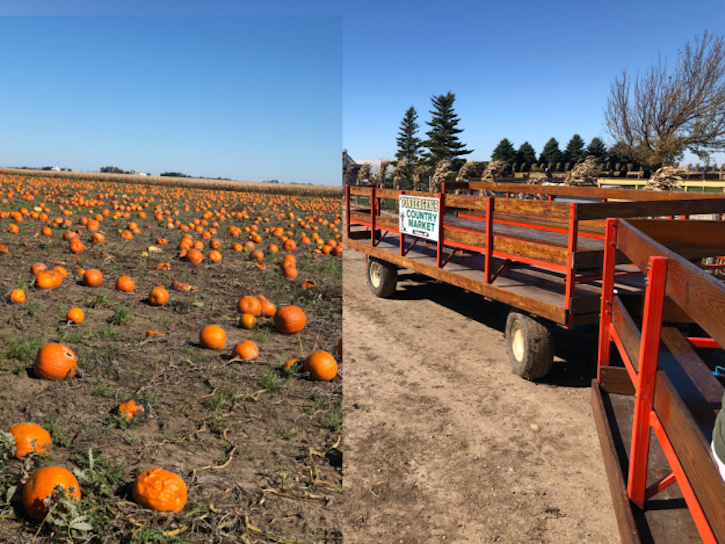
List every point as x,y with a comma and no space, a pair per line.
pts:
249,305
321,366
213,337
30,438
126,284
17,296
92,278
55,362
246,350
41,485
290,320
158,296
75,315
194,256
160,490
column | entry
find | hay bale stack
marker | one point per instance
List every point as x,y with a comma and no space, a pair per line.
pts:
419,174
584,173
400,173
441,174
494,171
467,171
666,179
536,178
363,175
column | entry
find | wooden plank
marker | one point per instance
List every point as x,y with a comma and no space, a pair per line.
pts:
615,380
628,331
699,294
476,239
589,192
531,250
678,234
693,453
361,217
386,222
390,194
466,202
532,209
651,209
699,389
360,191
628,531
506,295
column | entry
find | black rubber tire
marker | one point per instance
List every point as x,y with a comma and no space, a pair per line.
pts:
530,345
382,277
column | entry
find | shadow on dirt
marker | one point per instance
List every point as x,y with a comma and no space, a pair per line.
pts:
575,358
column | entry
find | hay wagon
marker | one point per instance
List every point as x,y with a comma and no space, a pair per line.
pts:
655,398
538,249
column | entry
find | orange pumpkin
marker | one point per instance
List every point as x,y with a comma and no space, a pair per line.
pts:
289,364
247,321
289,272
246,350
36,268
160,490
249,305
76,246
44,280
257,255
268,308
213,337
215,256
17,296
321,366
158,296
30,438
75,315
126,284
194,256
289,245
98,238
55,362
42,484
289,320
92,278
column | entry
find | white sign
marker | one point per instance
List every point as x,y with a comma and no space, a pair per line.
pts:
419,216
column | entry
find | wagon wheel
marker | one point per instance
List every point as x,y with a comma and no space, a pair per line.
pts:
530,345
382,277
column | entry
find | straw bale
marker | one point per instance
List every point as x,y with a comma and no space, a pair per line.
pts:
666,178
363,175
419,174
584,173
441,174
494,171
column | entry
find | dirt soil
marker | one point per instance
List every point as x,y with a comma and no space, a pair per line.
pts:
255,446
443,443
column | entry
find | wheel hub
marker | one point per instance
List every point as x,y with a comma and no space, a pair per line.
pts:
517,340
375,274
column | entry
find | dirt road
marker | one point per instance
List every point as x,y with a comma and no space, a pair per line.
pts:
443,443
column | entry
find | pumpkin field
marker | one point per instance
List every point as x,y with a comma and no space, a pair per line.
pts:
170,361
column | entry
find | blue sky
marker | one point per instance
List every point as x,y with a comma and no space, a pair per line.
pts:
250,98
525,70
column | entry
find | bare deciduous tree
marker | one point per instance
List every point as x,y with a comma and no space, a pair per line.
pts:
659,115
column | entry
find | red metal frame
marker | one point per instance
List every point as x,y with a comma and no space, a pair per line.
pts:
644,377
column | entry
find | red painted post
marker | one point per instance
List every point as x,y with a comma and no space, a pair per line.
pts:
489,239
605,316
441,215
372,216
571,249
646,375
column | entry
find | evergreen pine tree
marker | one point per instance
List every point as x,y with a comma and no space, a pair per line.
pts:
504,152
443,142
408,143
574,150
526,154
597,149
551,154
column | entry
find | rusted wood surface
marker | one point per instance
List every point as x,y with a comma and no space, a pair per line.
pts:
611,455
693,452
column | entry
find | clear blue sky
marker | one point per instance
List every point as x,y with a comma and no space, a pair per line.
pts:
244,97
525,70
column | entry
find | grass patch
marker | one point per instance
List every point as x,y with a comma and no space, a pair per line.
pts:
121,316
271,382
21,350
